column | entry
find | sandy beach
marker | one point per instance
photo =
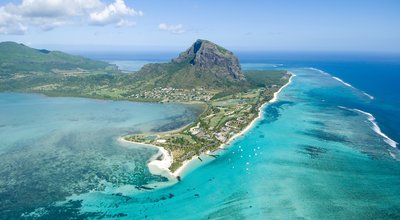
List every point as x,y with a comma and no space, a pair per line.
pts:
186,163
157,166
161,167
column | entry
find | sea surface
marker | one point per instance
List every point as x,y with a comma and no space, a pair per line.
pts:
131,65
51,148
327,149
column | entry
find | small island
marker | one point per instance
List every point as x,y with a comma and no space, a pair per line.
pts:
206,74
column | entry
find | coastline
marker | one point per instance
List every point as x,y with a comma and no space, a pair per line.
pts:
249,126
186,163
156,166
161,167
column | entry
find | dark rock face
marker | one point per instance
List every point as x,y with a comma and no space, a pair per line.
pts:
205,55
203,65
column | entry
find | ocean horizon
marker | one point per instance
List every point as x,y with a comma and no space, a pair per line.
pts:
117,109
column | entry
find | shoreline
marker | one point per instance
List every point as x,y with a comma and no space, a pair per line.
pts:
156,167
186,163
161,167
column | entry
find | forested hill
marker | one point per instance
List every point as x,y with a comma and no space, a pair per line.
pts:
204,64
17,58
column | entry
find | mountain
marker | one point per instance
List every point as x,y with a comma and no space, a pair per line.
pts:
16,58
204,64
205,55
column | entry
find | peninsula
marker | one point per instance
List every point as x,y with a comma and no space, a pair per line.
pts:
209,74
205,74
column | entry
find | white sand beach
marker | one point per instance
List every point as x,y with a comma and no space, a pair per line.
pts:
187,163
161,167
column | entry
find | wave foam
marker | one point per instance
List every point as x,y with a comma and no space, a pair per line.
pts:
318,70
375,126
347,84
368,95
340,80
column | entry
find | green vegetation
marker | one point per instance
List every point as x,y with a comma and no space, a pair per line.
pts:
20,58
226,114
262,78
182,75
211,77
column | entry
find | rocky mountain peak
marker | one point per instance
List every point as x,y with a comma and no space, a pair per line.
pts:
205,55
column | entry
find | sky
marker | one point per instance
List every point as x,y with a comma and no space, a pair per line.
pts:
163,25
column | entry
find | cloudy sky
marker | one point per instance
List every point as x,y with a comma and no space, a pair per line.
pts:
269,25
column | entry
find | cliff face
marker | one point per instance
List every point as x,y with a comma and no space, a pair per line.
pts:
203,65
205,55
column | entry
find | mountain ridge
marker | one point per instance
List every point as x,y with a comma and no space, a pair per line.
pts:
16,57
204,71
203,54
204,64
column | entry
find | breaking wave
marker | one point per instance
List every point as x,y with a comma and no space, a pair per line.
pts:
375,126
342,81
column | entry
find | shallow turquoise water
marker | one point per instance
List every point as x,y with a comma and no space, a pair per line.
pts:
308,157
53,147
311,156
130,65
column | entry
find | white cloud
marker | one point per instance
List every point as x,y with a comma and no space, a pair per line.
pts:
11,23
176,29
125,23
49,14
50,25
113,13
57,8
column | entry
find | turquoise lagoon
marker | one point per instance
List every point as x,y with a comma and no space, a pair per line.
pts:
309,157
53,147
312,155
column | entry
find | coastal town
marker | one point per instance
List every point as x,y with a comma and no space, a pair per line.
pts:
170,94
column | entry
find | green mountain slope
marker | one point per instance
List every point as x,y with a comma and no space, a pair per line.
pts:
204,70
204,64
20,58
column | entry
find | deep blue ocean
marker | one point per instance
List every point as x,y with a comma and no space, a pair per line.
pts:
327,149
